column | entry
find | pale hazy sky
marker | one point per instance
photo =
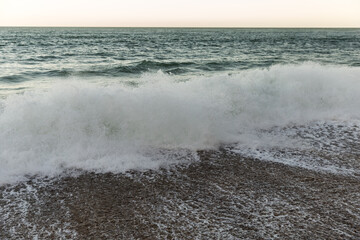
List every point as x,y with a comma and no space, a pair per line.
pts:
181,13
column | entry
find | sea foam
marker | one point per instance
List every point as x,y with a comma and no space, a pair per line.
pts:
91,126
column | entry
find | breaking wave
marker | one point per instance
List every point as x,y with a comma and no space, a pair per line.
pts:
116,127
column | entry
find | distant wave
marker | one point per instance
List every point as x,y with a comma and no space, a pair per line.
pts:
13,78
143,66
109,70
75,124
137,68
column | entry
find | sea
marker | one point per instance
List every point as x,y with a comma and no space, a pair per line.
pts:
125,102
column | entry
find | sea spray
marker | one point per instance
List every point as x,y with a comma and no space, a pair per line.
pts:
89,126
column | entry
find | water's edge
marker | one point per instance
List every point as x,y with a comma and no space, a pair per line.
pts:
223,195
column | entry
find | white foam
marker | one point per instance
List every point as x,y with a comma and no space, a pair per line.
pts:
75,124
326,146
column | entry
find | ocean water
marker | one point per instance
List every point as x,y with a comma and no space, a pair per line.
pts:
131,133
118,99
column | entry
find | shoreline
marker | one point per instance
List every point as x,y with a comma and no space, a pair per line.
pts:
222,195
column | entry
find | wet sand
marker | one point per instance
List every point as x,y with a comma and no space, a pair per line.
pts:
221,196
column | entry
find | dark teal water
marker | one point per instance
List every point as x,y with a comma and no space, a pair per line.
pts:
114,99
80,100
32,53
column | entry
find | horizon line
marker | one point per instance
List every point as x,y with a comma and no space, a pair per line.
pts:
244,27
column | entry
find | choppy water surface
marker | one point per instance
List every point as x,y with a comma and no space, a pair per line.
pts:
30,53
114,100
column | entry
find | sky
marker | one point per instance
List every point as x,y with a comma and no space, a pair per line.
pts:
181,13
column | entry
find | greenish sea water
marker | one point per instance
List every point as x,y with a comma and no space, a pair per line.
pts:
114,99
157,133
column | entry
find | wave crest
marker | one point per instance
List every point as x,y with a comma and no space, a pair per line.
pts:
75,124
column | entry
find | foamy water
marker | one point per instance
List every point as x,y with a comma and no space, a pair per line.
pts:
74,124
179,133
